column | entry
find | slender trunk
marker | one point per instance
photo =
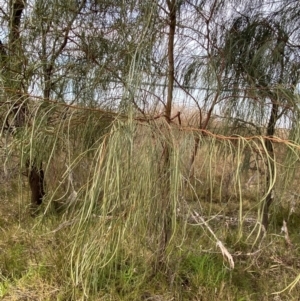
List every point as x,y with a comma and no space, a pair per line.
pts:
165,206
202,126
270,164
194,154
16,63
47,80
36,183
172,28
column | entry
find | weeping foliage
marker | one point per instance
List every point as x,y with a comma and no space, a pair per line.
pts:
257,69
121,172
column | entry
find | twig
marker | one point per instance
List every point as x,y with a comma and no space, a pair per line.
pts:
284,229
219,244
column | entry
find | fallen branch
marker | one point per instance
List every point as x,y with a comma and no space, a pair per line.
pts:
224,251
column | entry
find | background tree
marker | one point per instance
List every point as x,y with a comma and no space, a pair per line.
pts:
260,74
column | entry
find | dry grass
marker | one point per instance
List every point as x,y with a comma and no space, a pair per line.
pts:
103,246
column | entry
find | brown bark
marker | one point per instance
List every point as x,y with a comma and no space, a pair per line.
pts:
166,218
202,126
15,61
35,174
270,163
172,28
36,182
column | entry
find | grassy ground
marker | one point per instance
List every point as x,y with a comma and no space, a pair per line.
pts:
105,246
33,266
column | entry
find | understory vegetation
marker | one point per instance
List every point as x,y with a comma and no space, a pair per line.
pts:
97,234
150,150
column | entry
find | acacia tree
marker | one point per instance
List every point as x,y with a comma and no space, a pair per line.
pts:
201,70
69,53
13,65
81,60
247,63
259,71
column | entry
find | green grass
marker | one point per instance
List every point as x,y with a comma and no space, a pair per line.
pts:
194,272
108,244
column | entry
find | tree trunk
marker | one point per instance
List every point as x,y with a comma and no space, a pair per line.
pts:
15,87
166,218
36,182
270,164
